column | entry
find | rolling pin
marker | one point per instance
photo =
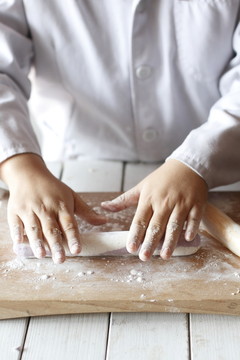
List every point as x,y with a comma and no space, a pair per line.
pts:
222,228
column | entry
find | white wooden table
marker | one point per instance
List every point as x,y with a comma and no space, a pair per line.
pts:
118,336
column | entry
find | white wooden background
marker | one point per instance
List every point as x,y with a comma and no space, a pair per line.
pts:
118,336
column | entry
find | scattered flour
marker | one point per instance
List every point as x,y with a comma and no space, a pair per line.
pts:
236,293
144,282
81,273
44,277
146,279
206,265
90,272
133,272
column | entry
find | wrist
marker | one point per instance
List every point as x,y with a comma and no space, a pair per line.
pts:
21,167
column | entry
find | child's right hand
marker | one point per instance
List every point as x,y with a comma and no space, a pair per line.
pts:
43,207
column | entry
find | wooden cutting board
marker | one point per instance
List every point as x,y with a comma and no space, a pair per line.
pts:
207,282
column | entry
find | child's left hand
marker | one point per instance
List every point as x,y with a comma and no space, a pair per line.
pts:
166,199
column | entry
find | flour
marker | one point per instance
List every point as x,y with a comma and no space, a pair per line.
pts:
236,293
13,265
133,272
116,221
90,272
154,284
146,280
215,265
81,273
44,277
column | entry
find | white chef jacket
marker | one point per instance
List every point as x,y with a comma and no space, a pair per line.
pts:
125,79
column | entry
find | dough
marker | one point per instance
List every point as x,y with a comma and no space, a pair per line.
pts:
112,244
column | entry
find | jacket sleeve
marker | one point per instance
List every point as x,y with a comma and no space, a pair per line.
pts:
16,54
213,149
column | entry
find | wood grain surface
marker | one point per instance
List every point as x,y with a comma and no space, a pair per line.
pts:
207,282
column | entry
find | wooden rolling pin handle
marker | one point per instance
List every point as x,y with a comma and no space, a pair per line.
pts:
222,228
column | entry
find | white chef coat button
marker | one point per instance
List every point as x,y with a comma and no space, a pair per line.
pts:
143,72
141,6
149,135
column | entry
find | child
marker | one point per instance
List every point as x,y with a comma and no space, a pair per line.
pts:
132,80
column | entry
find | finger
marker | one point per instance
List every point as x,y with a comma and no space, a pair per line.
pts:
34,234
138,227
16,229
153,236
193,223
21,246
87,213
124,201
173,231
70,231
53,235
17,234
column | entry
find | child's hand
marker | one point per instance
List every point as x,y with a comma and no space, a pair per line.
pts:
43,207
166,199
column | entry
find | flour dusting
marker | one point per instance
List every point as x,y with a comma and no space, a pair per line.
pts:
212,267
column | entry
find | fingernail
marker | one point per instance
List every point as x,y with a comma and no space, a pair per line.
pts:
135,237
99,220
58,257
75,249
165,253
105,202
39,252
102,217
112,204
132,247
39,249
145,254
189,236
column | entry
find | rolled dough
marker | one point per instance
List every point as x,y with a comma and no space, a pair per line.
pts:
111,244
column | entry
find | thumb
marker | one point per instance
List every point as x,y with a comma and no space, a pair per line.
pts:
124,201
84,211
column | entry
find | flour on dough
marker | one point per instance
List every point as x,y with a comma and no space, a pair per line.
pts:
112,244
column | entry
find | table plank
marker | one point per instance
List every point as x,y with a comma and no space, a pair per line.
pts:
215,337
231,187
14,330
92,175
140,170
148,336
12,338
84,335
67,337
135,172
212,336
89,171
